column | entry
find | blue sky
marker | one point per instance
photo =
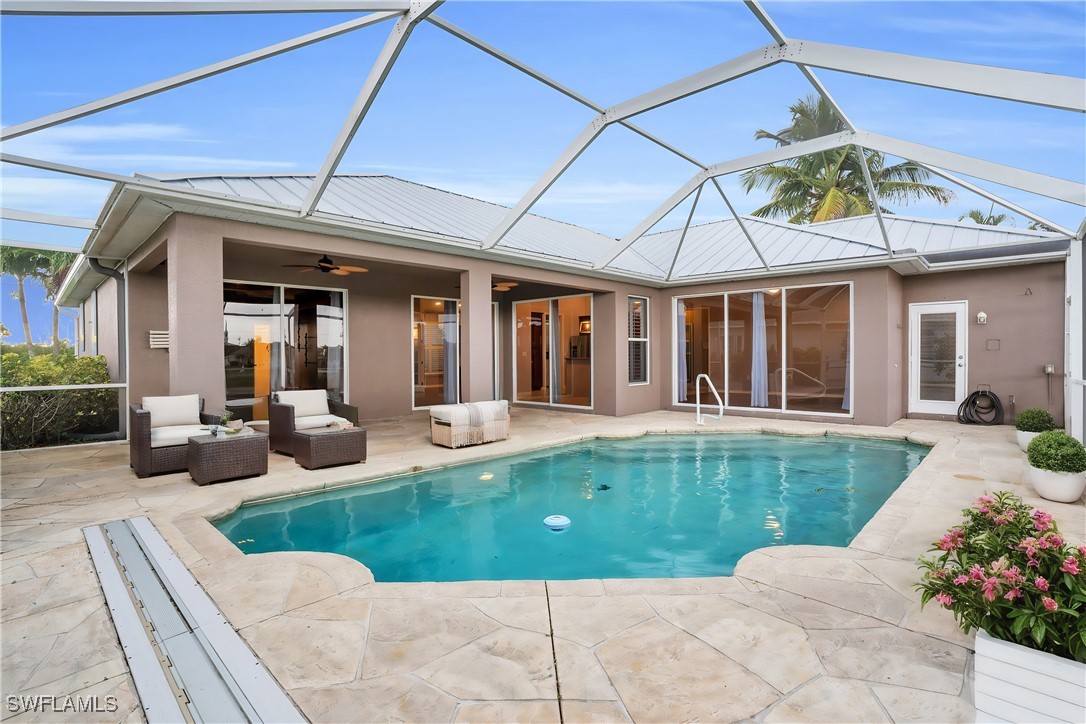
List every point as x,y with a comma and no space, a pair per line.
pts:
453,117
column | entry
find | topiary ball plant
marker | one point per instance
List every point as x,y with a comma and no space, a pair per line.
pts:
1034,420
1057,451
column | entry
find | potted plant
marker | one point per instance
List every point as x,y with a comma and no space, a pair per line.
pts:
1031,423
1008,572
1057,466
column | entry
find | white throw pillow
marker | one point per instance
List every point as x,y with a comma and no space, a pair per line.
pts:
306,402
173,410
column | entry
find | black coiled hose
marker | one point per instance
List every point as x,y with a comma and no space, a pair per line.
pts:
981,408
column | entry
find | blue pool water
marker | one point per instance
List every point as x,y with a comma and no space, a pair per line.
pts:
653,507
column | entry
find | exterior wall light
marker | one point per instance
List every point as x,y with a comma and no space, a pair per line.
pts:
982,318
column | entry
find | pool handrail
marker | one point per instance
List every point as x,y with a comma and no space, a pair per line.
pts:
699,418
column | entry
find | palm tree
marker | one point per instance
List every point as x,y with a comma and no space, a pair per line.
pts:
22,264
830,184
989,219
58,263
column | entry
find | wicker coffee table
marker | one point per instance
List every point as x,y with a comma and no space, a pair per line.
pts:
322,447
213,458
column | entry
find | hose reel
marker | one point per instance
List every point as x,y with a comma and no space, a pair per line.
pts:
981,408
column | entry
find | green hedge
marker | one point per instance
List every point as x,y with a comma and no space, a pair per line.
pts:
52,417
1057,451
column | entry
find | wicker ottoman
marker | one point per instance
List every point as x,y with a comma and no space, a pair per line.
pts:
322,448
213,458
469,423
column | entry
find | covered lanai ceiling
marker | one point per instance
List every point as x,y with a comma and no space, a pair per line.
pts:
657,246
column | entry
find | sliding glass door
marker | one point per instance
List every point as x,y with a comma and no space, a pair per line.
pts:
281,338
435,351
552,351
769,349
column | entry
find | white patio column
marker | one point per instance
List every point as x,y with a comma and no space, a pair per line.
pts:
476,336
194,284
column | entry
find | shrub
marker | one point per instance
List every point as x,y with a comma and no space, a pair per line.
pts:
1057,451
1008,570
49,417
1034,420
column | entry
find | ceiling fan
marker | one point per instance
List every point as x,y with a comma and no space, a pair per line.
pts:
327,266
503,286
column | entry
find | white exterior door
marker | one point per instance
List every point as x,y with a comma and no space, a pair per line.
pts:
938,363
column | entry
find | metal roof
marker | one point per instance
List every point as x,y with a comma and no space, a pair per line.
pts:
928,236
713,248
408,205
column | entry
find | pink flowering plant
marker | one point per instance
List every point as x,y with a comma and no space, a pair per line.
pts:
1006,569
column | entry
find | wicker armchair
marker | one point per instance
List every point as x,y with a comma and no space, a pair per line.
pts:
303,410
147,460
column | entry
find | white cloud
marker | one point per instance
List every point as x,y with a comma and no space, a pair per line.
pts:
91,145
61,196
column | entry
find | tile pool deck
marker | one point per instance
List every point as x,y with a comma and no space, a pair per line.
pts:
799,633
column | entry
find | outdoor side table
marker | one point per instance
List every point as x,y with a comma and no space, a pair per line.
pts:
322,448
213,458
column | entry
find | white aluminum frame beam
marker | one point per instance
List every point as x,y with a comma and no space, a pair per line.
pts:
528,70
391,50
196,7
742,226
873,193
34,217
1037,183
775,155
682,236
717,75
994,198
771,27
150,89
1023,86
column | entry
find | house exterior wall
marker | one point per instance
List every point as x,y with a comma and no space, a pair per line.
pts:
1025,330
186,297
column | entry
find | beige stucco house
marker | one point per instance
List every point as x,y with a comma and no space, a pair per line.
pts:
809,322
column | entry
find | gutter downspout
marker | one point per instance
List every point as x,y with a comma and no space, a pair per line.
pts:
122,337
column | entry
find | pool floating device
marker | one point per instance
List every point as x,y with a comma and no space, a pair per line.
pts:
556,522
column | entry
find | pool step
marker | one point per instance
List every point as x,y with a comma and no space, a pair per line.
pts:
187,661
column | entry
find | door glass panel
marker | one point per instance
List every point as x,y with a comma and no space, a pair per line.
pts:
700,345
754,349
817,374
251,351
532,383
938,352
313,340
434,340
573,371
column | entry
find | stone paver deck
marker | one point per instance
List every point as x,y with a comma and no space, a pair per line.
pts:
799,633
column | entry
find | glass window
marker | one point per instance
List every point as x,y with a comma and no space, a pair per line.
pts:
553,351
754,349
816,378
700,349
280,338
638,340
252,348
435,343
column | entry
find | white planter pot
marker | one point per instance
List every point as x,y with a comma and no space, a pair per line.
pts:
1017,684
1057,487
1024,438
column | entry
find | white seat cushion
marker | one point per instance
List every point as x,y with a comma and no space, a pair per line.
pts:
461,414
175,434
312,421
306,402
173,410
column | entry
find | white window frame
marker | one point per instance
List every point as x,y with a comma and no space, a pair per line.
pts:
645,327
783,409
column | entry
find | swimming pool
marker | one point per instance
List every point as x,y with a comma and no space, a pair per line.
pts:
651,507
